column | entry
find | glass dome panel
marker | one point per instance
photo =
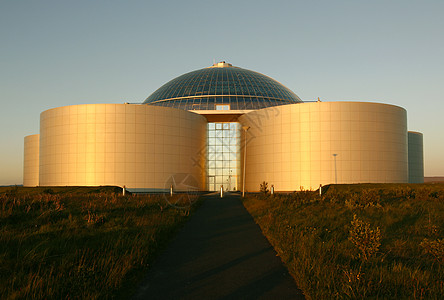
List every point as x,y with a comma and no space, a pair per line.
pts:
222,84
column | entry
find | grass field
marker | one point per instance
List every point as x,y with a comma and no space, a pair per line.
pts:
359,241
73,242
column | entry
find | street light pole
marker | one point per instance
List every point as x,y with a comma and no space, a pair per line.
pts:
245,128
336,172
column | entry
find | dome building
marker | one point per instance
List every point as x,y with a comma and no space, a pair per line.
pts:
216,126
222,86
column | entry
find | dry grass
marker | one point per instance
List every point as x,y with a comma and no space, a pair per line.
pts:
359,241
79,243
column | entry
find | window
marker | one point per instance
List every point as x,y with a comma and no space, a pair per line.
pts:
223,159
222,106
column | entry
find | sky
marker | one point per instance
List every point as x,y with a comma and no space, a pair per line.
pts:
57,53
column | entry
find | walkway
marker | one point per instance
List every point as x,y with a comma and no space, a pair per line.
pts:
219,254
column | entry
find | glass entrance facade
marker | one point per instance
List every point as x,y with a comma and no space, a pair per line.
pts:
223,156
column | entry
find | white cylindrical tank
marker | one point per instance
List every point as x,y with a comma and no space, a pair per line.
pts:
300,146
31,161
416,157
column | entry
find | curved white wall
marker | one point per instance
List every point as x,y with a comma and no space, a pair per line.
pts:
292,146
139,146
416,157
31,161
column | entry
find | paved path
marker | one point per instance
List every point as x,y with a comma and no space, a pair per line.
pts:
219,254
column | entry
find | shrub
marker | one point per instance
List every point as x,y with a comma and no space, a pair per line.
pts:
264,187
434,248
366,239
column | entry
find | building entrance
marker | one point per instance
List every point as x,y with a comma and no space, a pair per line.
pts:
223,156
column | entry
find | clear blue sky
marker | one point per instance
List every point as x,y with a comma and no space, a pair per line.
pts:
56,53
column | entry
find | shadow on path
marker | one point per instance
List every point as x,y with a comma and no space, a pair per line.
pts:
219,254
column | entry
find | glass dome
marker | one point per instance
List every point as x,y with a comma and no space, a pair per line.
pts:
222,85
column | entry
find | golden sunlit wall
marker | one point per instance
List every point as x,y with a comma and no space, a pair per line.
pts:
31,161
300,146
139,146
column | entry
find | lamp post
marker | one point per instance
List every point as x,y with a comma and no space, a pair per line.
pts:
245,128
336,172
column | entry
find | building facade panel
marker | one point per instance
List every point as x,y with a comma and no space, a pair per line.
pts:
416,157
329,142
138,146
